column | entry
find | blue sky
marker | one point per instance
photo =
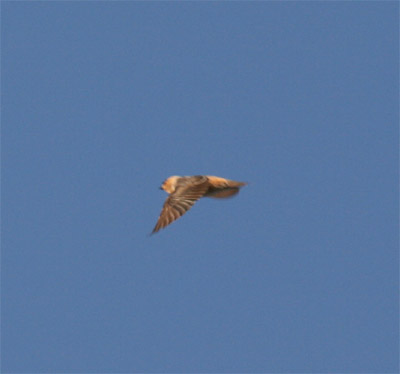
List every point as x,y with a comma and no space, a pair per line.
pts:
101,101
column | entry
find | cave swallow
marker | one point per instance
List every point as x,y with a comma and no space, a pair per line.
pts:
185,191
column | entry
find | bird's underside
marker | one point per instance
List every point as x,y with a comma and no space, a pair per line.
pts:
185,191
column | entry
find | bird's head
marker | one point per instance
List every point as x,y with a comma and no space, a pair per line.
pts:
169,185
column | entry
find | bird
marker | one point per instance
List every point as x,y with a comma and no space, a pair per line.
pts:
185,191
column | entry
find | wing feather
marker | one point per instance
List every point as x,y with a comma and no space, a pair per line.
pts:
189,190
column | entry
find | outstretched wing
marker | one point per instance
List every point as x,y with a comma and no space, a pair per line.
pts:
189,190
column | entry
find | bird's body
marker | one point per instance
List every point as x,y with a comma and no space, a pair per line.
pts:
185,191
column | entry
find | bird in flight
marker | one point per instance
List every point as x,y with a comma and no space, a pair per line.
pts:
185,191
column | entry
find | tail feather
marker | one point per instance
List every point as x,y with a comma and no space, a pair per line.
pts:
222,194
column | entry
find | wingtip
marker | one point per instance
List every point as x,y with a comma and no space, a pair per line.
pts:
155,230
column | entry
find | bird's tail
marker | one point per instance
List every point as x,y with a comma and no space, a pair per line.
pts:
222,194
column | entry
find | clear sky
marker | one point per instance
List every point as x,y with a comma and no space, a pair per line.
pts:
101,101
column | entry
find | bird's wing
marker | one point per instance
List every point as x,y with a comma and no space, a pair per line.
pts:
189,190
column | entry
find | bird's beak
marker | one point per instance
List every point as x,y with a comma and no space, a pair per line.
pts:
160,188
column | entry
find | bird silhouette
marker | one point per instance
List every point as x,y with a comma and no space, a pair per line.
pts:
185,191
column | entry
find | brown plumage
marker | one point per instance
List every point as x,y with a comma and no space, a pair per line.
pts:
185,191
